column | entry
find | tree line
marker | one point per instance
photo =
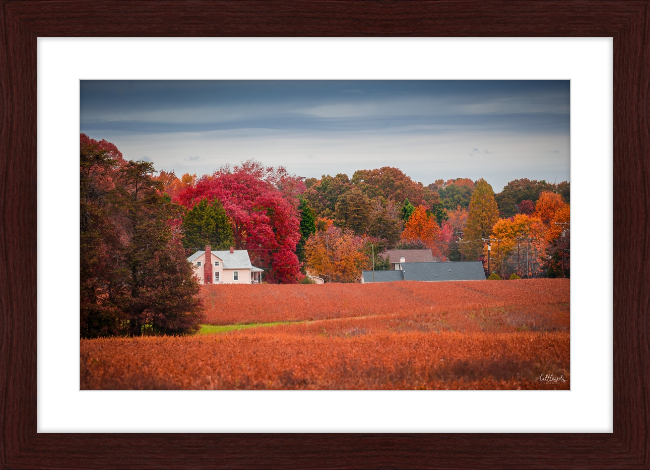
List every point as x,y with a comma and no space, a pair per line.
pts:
138,226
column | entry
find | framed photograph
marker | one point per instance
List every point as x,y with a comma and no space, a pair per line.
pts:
355,275
34,441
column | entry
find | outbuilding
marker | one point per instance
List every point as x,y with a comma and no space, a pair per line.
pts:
429,272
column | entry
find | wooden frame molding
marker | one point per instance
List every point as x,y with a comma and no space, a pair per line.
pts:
628,22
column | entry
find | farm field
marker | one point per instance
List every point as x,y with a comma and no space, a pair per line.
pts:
407,335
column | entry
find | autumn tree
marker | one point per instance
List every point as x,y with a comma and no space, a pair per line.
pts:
323,223
483,214
336,255
385,221
422,226
162,292
558,237
454,193
522,189
101,242
547,205
413,244
324,194
172,185
558,262
526,207
392,184
134,275
262,205
456,223
445,242
520,238
207,224
559,223
353,211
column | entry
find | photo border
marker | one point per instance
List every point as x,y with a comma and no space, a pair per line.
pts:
628,22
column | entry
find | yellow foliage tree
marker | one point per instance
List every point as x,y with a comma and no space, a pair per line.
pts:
483,214
336,255
519,230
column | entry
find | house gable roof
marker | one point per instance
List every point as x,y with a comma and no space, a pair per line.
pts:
410,256
237,260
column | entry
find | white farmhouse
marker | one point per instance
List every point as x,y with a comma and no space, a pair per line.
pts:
225,267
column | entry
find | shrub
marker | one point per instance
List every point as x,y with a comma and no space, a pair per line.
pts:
307,280
494,277
514,276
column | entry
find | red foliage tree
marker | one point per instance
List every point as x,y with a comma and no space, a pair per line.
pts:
526,207
262,204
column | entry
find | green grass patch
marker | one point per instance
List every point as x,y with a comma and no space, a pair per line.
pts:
213,329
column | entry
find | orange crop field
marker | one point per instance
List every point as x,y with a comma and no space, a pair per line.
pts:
230,304
407,335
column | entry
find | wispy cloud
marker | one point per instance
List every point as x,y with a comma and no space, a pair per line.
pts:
423,127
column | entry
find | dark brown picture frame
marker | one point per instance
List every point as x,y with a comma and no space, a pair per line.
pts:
628,22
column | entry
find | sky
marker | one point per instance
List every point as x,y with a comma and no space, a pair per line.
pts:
496,130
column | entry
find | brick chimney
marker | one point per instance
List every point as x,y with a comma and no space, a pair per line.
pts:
207,270
232,249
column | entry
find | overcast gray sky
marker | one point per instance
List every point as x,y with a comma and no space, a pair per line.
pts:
497,130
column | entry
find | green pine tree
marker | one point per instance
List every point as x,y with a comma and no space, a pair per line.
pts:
307,227
207,224
439,212
407,210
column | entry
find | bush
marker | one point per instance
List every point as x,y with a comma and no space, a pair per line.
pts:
307,280
514,276
494,277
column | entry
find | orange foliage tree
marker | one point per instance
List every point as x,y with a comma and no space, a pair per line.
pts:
547,205
457,219
558,223
336,255
422,226
172,184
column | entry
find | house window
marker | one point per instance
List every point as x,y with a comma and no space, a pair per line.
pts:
207,279
198,263
235,276
216,277
216,263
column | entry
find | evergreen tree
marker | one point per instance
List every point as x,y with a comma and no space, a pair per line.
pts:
162,293
207,224
439,212
483,214
407,210
307,227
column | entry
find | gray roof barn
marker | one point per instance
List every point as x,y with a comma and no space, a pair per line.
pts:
431,272
383,276
238,259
